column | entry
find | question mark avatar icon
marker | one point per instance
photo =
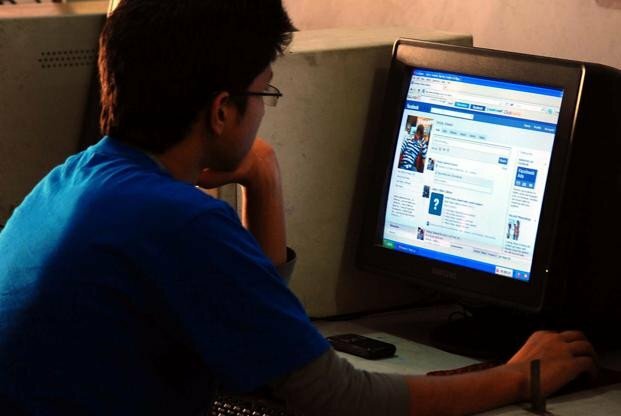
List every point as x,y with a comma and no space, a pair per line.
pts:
435,205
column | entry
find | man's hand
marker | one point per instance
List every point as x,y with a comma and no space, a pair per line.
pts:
259,162
563,355
262,209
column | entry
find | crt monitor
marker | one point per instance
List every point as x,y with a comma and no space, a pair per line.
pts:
493,173
48,90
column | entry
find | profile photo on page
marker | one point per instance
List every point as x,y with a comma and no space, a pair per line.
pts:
416,134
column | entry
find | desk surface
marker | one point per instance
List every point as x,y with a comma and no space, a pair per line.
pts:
407,330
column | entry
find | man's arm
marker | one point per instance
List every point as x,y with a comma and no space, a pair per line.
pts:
263,209
563,357
330,385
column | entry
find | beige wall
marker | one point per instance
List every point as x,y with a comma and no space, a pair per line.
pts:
577,29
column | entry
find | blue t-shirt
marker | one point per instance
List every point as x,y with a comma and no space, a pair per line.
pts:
125,291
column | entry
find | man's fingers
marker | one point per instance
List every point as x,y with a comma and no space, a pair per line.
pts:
585,365
578,348
570,336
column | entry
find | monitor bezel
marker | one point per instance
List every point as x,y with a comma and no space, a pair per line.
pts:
467,283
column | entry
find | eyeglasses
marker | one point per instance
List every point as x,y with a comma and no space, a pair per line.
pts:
270,95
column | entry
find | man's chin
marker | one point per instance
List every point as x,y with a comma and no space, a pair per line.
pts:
225,165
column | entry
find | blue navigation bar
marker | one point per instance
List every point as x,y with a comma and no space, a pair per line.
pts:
448,258
434,255
520,275
484,118
488,82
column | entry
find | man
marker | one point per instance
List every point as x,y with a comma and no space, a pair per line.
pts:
414,151
124,289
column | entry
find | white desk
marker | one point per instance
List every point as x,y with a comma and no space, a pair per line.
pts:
402,328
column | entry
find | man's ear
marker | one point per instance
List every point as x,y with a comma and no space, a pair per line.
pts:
219,114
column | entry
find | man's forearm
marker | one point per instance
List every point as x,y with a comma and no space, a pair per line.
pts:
562,355
332,386
262,207
263,212
466,393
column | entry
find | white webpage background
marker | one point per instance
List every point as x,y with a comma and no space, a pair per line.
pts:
480,198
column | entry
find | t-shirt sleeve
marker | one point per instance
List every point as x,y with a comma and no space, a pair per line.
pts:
235,308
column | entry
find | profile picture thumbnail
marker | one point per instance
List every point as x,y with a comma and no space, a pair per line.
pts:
431,164
426,190
413,153
513,230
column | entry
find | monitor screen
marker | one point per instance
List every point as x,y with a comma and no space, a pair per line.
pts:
470,169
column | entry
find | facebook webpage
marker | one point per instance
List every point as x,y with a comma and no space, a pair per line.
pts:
470,170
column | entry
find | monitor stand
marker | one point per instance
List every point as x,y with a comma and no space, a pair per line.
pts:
486,333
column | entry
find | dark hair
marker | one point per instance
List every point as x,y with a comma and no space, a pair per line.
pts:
420,129
163,61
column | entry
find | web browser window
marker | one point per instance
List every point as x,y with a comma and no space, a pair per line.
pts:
470,171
